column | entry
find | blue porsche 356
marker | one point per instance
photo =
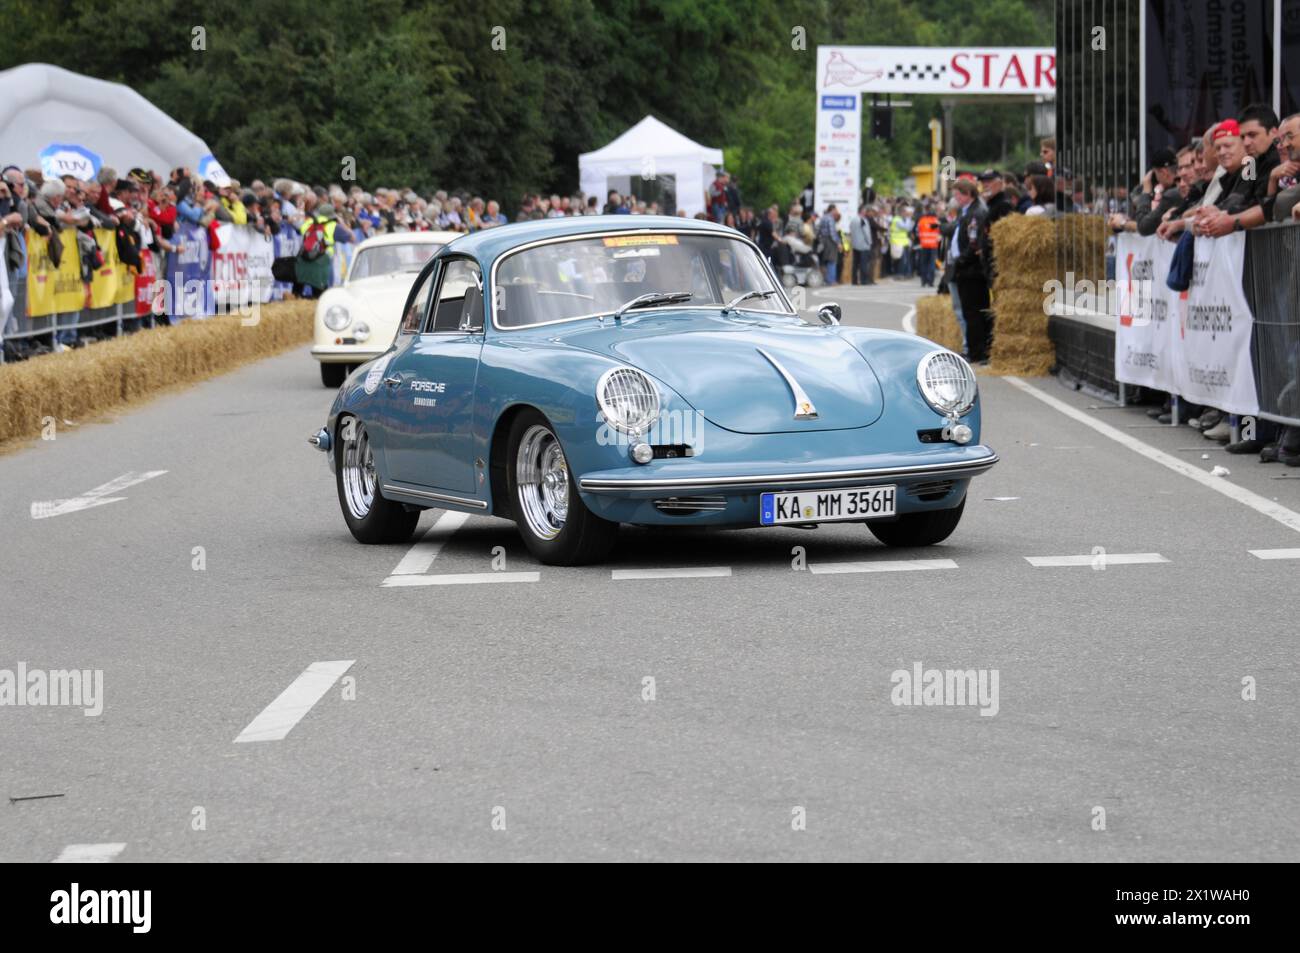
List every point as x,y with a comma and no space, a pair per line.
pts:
575,374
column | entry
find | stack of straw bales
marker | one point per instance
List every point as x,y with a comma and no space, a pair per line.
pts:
1026,250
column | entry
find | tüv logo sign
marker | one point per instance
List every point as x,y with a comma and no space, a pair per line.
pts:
59,159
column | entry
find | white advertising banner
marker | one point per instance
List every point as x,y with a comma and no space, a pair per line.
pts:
1212,356
241,267
839,153
1196,343
1144,335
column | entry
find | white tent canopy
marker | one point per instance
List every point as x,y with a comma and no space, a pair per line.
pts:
65,123
651,149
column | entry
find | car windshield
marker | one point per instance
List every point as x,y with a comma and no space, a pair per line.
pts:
388,259
598,275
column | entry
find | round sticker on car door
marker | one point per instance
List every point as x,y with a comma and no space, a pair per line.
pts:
376,373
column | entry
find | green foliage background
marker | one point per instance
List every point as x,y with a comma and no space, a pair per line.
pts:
415,92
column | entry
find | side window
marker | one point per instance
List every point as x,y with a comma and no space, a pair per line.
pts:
414,315
460,299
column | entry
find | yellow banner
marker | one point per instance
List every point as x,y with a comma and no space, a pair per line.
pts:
53,290
110,278
59,290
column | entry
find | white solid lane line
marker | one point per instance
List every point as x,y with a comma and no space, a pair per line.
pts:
278,718
683,573
1102,560
1275,553
421,556
909,320
883,565
43,509
461,579
89,853
1288,518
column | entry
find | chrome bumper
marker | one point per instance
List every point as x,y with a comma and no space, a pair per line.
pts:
959,469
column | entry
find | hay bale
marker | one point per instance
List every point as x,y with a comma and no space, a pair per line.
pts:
81,384
1031,355
1025,245
935,320
1019,311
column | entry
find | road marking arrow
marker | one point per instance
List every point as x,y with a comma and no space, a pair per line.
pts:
100,495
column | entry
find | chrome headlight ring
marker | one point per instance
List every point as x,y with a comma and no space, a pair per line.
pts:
947,383
628,400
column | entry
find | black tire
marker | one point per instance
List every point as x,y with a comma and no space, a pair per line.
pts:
918,529
370,517
577,536
333,375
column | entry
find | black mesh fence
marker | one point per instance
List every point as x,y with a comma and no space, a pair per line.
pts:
1272,286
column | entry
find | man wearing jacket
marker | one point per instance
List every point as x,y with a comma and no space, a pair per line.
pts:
860,242
971,270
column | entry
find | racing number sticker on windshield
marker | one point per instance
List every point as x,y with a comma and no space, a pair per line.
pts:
622,241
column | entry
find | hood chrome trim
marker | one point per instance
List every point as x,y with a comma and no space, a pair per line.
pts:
803,405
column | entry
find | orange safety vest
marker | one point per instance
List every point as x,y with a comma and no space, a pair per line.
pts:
928,230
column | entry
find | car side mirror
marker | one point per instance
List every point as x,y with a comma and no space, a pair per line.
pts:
829,313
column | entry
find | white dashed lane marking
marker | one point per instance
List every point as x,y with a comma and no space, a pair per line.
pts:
422,554
883,565
1276,553
89,853
461,579
1101,560
278,718
681,573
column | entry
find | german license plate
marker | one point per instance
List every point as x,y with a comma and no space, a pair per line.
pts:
821,506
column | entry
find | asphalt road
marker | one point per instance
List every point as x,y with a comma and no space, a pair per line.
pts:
509,720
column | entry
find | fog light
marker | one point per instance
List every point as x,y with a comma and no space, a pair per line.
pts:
959,433
642,453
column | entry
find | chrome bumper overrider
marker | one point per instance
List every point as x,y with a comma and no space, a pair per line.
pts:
957,469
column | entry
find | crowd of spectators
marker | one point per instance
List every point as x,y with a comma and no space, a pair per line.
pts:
144,209
1242,173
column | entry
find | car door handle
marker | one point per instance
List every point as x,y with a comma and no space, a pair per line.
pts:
392,381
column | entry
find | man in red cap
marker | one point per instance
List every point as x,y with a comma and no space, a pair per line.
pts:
1245,202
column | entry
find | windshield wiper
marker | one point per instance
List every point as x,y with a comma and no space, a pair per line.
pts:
731,305
651,300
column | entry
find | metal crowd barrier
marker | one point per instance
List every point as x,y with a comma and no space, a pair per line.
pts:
119,318
1272,286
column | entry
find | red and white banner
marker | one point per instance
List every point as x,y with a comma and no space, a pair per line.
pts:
241,266
946,70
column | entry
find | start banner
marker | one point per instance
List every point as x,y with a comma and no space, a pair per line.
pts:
1197,343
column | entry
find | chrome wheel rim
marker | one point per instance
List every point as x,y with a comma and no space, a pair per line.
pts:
542,476
358,470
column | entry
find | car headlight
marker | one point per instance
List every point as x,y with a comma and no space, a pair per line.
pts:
628,399
947,383
337,317
361,331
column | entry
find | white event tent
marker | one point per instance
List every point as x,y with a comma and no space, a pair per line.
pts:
651,149
67,123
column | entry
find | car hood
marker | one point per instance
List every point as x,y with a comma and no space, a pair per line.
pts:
743,371
381,296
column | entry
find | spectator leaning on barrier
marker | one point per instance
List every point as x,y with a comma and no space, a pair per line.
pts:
1247,203
1284,182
